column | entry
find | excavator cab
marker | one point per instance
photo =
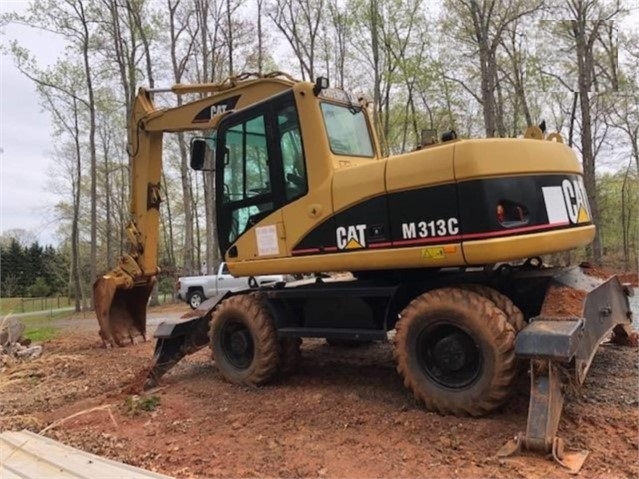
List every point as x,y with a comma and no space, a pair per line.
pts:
260,167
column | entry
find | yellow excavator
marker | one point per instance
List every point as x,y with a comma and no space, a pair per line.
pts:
442,244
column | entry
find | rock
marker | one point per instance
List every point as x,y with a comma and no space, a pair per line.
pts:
30,352
11,330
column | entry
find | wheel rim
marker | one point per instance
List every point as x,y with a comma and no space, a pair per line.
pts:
449,355
196,300
237,344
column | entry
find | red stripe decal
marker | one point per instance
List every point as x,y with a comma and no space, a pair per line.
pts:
514,230
308,250
380,245
436,239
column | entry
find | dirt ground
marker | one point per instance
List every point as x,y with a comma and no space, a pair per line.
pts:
344,413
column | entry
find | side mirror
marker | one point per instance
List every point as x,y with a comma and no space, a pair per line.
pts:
198,153
321,83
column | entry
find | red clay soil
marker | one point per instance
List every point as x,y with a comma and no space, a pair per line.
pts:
603,273
562,301
631,278
345,413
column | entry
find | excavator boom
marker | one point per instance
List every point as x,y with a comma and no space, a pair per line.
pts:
122,294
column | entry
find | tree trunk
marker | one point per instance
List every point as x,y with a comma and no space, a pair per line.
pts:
169,236
187,194
260,53
75,234
107,206
229,27
584,68
94,192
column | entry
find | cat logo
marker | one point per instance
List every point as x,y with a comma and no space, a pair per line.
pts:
221,106
215,109
576,201
351,237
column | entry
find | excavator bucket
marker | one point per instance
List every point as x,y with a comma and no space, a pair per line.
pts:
121,311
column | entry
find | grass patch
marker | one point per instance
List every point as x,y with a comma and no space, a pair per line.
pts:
27,305
137,404
39,320
41,334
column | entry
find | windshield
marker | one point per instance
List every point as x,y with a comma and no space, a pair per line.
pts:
347,130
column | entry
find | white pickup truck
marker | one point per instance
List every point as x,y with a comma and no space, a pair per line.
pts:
195,289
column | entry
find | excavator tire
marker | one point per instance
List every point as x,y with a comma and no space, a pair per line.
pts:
290,354
514,316
456,352
244,341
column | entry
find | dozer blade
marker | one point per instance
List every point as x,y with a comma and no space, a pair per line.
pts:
176,339
566,344
121,311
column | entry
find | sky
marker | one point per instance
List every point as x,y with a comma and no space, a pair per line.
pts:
25,134
25,137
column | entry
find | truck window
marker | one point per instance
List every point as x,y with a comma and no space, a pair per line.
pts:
225,269
347,130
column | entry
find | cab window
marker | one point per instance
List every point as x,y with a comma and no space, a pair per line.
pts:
347,130
293,163
247,184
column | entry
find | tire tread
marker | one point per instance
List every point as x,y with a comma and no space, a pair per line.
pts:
493,321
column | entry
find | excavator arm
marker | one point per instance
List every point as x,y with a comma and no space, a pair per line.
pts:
121,295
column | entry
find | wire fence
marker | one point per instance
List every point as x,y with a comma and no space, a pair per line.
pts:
28,305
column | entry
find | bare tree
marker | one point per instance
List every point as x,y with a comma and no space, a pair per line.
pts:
65,108
299,21
178,23
587,21
482,26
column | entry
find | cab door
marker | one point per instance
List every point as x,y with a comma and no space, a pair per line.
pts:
252,183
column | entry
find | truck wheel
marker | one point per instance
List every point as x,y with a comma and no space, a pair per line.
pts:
195,298
290,354
456,352
244,340
514,316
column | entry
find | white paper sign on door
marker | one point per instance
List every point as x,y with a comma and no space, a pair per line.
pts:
267,244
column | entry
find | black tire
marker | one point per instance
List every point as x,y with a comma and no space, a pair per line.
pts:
244,341
347,343
195,298
455,351
514,316
290,354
